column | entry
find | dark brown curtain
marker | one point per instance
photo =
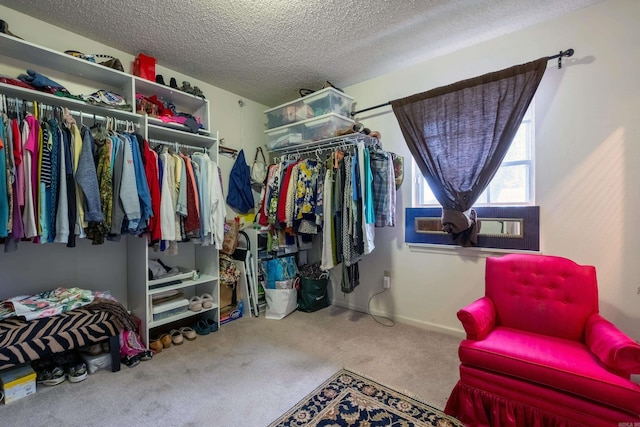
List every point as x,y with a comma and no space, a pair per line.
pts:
459,134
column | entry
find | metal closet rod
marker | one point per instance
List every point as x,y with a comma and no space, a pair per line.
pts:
81,114
569,52
72,112
130,125
177,144
98,117
326,145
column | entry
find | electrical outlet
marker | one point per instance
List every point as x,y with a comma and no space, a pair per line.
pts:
387,279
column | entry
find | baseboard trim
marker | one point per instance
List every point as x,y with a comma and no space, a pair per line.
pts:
458,333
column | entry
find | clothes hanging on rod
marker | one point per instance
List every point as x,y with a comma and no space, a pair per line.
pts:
98,181
331,192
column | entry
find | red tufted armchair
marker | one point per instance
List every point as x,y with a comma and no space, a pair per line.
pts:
538,353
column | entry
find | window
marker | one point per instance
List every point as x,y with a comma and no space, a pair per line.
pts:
512,184
507,215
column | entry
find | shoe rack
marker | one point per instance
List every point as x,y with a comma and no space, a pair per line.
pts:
80,76
190,258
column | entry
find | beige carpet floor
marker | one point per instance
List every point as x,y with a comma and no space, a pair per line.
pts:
248,373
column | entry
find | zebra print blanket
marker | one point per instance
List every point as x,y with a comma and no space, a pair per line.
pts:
22,341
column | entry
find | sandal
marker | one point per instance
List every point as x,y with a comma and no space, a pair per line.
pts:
176,337
212,324
195,303
202,328
188,333
165,339
156,345
207,301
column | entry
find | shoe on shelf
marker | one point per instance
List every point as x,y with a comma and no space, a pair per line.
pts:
4,28
176,337
202,328
165,339
207,301
197,92
188,333
156,345
186,87
212,324
195,303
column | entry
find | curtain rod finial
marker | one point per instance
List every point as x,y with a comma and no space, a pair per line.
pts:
569,52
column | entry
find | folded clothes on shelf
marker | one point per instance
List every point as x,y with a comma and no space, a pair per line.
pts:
41,82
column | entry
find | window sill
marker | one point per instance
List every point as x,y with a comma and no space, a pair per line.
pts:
527,239
475,252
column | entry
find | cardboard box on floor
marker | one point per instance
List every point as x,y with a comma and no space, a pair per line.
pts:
228,310
226,298
17,383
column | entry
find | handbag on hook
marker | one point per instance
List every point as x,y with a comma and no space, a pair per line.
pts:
259,168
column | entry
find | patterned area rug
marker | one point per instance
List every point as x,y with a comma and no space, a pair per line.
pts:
348,399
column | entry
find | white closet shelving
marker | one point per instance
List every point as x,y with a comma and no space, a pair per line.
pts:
190,258
83,77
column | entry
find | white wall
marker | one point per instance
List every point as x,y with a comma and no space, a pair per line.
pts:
587,174
103,267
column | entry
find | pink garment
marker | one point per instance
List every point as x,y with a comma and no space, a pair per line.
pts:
28,211
17,157
130,344
32,146
17,231
173,119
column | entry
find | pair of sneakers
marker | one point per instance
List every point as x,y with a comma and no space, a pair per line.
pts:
55,370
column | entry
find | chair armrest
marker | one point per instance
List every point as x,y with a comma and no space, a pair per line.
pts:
478,318
614,349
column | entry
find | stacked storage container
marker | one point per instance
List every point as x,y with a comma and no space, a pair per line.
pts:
314,117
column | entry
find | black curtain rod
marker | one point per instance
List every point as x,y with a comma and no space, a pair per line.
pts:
559,56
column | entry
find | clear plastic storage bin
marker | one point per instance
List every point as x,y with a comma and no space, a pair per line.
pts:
317,104
315,129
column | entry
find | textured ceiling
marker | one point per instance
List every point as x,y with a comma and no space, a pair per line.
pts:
265,50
